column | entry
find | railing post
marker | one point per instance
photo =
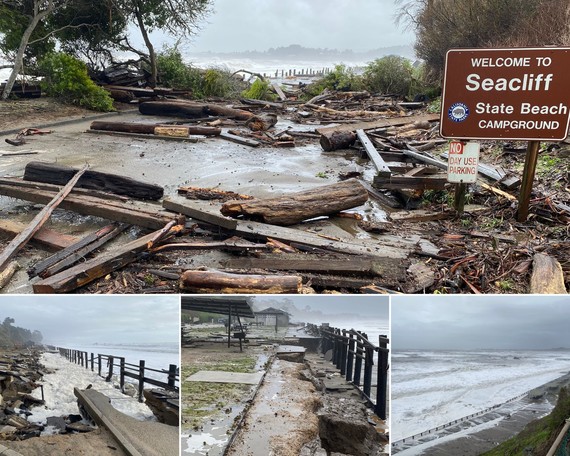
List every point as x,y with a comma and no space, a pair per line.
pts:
358,362
111,361
343,353
172,376
368,363
122,375
141,379
99,364
86,360
350,358
382,379
92,362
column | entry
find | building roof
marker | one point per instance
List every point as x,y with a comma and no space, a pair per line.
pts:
240,305
272,311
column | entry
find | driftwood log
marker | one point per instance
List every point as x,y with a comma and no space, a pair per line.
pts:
296,207
51,173
261,122
179,108
153,129
222,282
337,140
547,276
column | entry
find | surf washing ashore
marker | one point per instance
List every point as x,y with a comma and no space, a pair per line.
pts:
433,389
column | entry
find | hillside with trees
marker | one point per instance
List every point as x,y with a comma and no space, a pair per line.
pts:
13,336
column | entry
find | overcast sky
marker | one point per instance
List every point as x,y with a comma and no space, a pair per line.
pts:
86,319
466,322
242,25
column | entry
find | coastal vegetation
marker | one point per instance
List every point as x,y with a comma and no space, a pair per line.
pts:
538,436
14,336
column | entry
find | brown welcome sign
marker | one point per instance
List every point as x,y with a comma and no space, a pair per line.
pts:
518,93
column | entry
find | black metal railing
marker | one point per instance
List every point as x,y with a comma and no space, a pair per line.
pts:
109,365
353,354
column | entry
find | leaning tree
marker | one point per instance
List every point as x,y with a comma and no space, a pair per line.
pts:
179,18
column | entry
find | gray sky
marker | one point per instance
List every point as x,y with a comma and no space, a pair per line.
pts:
466,322
88,319
358,307
241,25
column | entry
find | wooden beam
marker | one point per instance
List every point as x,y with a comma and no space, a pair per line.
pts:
239,140
148,215
381,123
280,92
547,276
192,210
46,238
84,273
410,183
379,163
21,239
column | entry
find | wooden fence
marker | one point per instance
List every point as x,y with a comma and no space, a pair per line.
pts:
353,355
109,365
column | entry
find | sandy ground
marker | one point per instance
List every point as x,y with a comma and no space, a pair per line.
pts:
96,443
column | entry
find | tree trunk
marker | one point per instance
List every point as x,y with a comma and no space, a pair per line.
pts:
337,140
261,122
173,108
150,47
296,207
19,60
225,283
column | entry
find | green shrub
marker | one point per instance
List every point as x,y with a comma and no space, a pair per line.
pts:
341,78
259,90
174,73
66,77
389,75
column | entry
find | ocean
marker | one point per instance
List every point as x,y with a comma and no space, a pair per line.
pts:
432,388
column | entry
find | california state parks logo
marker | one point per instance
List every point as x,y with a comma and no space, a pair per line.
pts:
458,112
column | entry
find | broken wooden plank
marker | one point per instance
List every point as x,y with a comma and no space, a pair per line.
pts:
44,237
199,212
239,140
419,215
385,200
410,182
213,281
279,91
8,272
547,276
187,139
72,254
381,123
309,263
420,277
21,239
293,208
379,163
84,273
52,173
145,214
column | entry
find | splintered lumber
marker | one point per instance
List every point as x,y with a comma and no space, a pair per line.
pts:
21,239
547,276
371,151
261,122
173,108
296,207
410,182
212,281
335,140
328,263
239,139
279,91
153,129
381,123
7,274
44,237
84,273
230,113
198,213
75,252
52,173
89,202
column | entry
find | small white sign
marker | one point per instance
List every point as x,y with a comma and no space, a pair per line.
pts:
463,161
